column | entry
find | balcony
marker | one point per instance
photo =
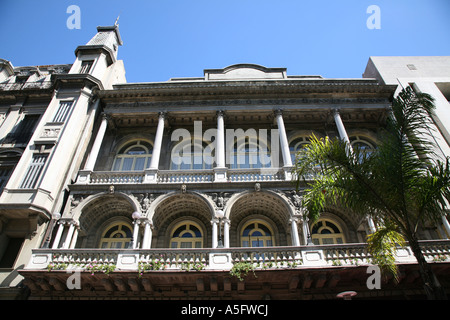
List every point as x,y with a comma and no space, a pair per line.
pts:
325,256
182,176
302,272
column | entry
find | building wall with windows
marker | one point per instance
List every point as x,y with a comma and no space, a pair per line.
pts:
191,169
47,116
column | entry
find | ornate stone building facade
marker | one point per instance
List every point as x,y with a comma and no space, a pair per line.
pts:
156,190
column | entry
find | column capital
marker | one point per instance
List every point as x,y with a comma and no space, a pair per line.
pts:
105,116
162,114
336,110
278,112
220,113
294,219
147,222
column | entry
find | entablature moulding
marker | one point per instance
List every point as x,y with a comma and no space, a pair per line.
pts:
248,112
302,86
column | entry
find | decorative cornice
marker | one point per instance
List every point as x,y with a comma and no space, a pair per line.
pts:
225,89
129,106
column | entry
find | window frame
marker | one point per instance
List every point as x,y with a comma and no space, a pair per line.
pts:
33,174
293,146
246,241
181,241
109,241
252,150
332,235
195,151
122,155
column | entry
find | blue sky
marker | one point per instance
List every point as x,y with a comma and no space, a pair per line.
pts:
174,38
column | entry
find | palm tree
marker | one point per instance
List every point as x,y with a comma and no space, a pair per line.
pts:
401,183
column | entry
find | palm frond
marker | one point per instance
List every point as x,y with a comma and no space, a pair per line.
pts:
383,245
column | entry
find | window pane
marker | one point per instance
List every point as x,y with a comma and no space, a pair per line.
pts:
117,164
127,164
139,165
186,245
187,235
136,151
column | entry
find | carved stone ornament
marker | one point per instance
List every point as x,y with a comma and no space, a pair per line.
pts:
145,201
220,199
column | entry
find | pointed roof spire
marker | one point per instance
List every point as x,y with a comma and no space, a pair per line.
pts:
117,20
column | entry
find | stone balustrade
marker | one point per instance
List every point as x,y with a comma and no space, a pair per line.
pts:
113,177
185,176
255,175
180,176
328,256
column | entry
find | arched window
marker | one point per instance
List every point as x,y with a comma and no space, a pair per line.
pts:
326,232
255,233
187,155
296,145
116,236
250,153
134,156
186,235
363,144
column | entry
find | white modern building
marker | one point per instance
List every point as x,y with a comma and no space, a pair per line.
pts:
158,190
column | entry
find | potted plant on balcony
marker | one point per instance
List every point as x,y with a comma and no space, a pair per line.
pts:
241,269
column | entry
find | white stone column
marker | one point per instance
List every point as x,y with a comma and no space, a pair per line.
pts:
340,126
151,173
446,224
220,170
90,163
147,242
58,235
154,164
306,234
73,242
287,161
294,231
371,224
214,223
226,233
69,235
136,233
220,145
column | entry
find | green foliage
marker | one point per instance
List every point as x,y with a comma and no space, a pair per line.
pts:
152,265
94,267
196,266
382,245
241,269
57,266
402,183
